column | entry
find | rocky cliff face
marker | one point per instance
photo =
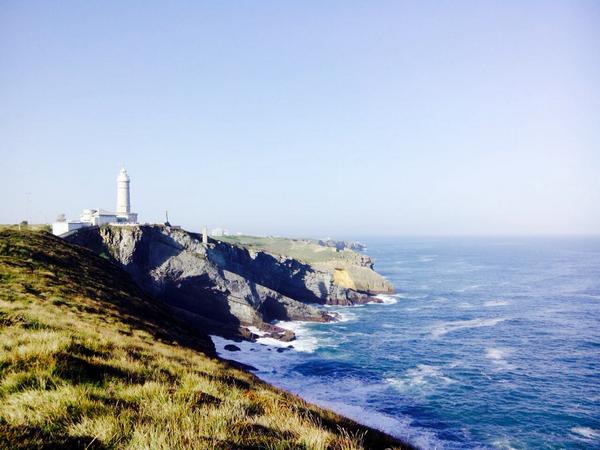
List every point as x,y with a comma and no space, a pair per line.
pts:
227,286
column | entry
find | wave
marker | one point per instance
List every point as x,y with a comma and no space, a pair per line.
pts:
419,376
267,355
449,327
410,296
498,357
493,303
256,331
388,299
261,357
400,428
345,316
496,354
586,432
488,304
503,443
468,288
466,305
305,341
342,396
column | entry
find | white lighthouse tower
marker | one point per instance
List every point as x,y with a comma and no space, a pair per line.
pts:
123,201
123,211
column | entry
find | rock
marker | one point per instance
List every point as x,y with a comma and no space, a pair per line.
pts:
240,365
232,348
341,245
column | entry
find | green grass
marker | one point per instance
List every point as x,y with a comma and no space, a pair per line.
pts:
31,226
303,250
88,361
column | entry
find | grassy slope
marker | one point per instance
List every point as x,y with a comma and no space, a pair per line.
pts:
87,361
309,252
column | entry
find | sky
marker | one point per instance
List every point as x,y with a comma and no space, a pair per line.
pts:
337,118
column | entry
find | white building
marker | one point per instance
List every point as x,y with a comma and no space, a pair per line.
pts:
97,217
64,226
218,232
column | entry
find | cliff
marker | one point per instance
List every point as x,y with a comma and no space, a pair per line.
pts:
227,286
90,361
344,268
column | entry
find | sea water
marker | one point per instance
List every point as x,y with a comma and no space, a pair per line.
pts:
488,343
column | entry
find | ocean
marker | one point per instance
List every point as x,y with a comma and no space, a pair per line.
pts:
488,343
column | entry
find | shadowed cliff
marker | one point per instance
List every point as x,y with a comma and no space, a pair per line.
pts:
231,284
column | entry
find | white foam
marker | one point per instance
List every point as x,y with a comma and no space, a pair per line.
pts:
396,427
388,299
420,376
251,353
586,432
468,288
256,331
400,295
347,396
305,341
493,303
498,356
465,305
449,327
503,443
346,316
272,342
344,396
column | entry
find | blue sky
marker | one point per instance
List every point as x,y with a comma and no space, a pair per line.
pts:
306,118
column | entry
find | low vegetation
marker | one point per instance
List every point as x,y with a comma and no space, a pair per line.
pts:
89,361
304,250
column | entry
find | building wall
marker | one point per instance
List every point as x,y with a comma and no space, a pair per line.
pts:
59,228
102,219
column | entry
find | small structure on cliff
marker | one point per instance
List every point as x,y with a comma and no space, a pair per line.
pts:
205,235
94,217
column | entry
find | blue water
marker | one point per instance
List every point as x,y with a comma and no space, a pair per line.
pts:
491,343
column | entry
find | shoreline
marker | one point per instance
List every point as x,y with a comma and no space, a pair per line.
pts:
267,359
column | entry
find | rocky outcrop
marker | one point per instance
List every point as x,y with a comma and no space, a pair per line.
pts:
341,245
229,286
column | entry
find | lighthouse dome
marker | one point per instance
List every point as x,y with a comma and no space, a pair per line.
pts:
123,175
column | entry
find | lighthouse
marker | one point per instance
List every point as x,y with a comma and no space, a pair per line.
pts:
123,202
123,213
97,216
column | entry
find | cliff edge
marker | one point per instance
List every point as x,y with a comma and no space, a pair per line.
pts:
231,283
